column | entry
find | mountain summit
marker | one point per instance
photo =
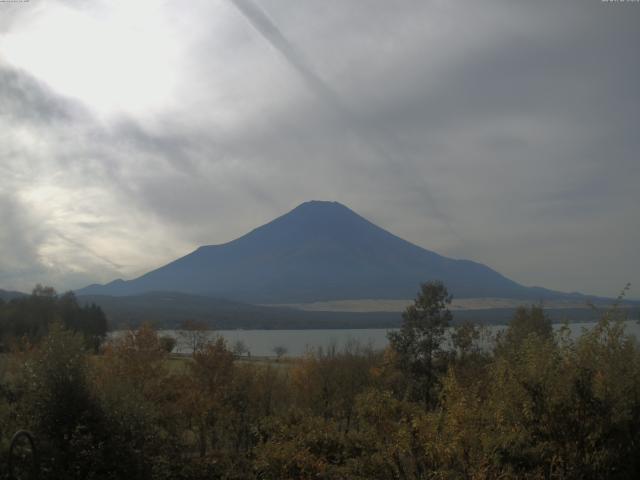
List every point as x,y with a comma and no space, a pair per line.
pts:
319,251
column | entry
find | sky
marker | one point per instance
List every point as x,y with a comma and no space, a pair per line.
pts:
501,131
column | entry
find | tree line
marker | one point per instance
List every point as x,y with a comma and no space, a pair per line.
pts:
28,318
537,404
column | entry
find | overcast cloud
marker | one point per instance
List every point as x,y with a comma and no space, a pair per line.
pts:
499,131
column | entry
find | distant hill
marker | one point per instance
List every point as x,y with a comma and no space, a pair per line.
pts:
7,295
320,251
170,309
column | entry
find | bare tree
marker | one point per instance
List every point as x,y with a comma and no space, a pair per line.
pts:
280,351
240,348
194,334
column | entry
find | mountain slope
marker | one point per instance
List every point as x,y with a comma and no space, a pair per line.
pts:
319,251
7,295
170,309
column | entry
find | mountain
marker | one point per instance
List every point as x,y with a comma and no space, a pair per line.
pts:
320,251
7,295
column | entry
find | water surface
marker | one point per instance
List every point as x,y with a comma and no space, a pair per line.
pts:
297,342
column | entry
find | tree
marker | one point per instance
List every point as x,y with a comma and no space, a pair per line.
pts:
32,316
327,380
194,334
464,337
167,343
418,342
212,371
61,407
280,351
240,348
44,292
89,320
525,322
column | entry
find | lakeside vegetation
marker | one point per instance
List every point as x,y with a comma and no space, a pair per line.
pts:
538,405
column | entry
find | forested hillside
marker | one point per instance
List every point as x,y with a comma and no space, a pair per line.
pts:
27,318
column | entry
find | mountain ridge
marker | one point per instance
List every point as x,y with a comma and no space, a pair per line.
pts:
320,251
7,295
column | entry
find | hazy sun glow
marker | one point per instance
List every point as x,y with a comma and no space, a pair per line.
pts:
119,58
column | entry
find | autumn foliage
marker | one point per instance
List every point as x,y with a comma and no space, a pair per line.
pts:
534,404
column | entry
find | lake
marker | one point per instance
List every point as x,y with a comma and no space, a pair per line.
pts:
297,342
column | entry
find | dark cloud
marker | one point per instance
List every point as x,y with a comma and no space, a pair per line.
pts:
24,99
378,140
512,124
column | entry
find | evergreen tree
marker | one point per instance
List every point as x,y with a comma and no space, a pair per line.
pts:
418,342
